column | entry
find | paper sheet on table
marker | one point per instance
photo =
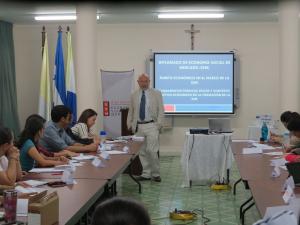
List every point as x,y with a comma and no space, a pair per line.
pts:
294,206
77,163
263,146
115,141
244,140
115,152
138,138
283,167
252,151
28,189
278,162
46,170
34,183
83,157
274,153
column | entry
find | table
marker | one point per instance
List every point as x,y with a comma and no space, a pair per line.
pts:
205,158
75,200
92,182
255,171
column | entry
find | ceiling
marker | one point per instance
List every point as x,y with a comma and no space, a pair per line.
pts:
146,12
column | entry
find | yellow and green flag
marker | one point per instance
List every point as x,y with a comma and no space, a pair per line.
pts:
45,101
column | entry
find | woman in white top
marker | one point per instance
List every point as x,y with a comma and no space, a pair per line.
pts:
85,122
10,168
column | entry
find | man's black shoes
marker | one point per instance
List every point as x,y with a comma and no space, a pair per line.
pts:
156,179
141,178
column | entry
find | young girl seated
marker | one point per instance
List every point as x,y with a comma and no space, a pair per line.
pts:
30,156
10,168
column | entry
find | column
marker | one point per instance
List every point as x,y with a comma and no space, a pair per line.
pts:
88,85
289,55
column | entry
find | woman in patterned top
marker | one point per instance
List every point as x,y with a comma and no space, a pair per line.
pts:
83,128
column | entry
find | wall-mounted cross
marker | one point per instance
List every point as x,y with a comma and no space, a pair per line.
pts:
192,31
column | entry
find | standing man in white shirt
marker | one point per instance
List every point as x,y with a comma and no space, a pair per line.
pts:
145,116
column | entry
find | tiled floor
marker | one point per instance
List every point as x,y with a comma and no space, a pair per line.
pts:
221,207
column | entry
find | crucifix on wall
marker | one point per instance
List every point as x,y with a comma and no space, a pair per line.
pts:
192,31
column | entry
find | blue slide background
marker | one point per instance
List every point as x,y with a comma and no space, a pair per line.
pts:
171,66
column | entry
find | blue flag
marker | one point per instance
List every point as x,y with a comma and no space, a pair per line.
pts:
59,87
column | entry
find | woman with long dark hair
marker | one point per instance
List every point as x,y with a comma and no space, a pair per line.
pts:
33,131
10,168
83,128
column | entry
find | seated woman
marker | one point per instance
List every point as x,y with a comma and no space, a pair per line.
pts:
294,154
83,129
10,168
285,117
120,210
29,138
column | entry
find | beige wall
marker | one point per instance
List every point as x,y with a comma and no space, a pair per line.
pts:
126,46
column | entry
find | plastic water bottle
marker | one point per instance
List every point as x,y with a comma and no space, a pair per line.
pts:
103,135
103,139
257,121
264,131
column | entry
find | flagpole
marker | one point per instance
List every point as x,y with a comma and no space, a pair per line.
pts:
43,38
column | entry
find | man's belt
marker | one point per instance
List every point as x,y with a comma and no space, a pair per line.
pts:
144,122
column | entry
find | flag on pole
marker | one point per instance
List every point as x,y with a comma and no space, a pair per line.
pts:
59,87
70,80
45,85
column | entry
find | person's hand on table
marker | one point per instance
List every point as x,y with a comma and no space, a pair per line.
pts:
70,154
62,158
24,173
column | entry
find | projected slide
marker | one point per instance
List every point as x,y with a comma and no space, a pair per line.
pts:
194,83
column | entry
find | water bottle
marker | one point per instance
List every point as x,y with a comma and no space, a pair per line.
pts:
103,135
264,132
257,121
103,139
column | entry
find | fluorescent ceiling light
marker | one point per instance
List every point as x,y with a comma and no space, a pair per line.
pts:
55,17
58,17
190,15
